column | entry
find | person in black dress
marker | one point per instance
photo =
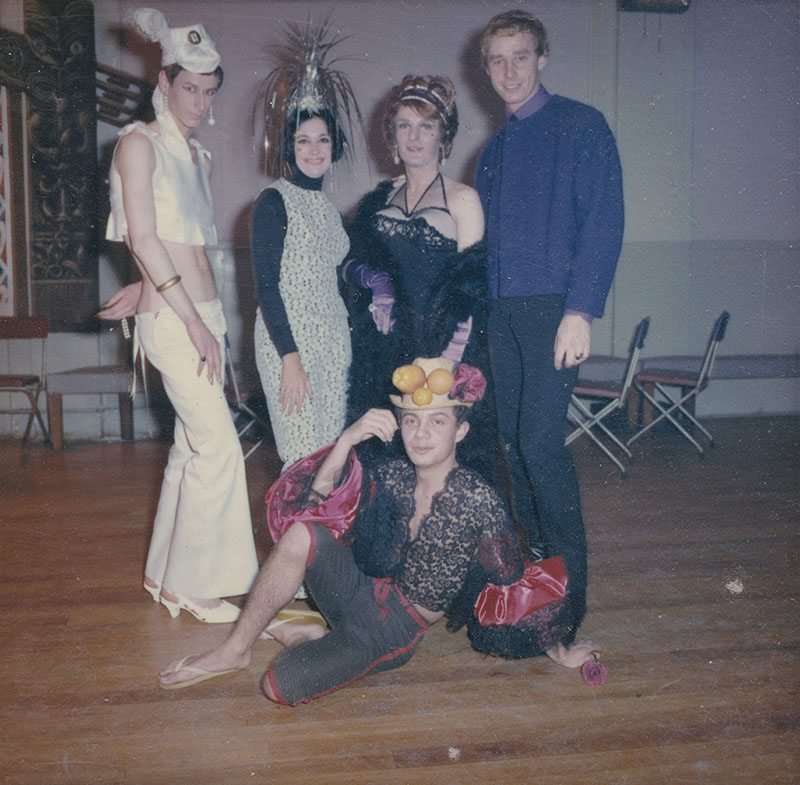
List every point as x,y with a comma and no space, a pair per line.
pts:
418,262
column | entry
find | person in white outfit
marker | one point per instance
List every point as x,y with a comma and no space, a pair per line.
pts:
202,545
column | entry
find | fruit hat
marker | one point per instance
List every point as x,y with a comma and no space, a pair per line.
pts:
436,382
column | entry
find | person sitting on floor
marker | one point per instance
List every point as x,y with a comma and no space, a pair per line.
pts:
427,538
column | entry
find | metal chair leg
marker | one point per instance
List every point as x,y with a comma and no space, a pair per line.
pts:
585,426
665,413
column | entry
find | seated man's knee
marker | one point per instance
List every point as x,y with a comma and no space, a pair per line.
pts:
266,688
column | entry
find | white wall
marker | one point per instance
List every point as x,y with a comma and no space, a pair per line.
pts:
704,105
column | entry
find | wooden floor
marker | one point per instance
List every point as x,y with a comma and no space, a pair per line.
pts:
693,596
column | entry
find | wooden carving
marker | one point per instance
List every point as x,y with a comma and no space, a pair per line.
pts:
121,98
54,64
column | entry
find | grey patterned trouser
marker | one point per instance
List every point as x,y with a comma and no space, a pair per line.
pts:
373,627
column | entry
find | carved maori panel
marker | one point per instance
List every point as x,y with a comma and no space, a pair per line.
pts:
54,63
6,246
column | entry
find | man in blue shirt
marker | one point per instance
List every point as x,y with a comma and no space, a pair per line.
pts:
551,186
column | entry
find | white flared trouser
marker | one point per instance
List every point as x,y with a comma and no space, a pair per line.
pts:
202,544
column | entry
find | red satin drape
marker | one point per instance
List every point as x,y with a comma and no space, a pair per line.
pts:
543,583
337,512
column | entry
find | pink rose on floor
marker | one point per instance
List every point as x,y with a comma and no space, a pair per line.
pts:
469,384
594,673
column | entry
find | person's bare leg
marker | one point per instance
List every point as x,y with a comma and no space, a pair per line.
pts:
574,655
272,590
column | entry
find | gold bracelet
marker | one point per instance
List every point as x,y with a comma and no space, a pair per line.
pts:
171,282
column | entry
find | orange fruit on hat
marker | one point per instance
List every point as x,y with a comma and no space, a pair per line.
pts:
440,381
422,396
408,378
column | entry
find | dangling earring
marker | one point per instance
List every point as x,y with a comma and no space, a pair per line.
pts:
444,157
396,158
163,102
211,120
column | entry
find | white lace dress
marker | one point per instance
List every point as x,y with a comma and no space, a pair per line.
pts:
315,244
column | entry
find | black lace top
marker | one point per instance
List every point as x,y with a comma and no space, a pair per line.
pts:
464,541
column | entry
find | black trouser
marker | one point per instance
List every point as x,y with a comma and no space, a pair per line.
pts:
532,400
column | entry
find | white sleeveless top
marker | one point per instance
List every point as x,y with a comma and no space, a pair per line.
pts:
181,189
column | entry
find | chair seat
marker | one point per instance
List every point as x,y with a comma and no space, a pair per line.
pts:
668,377
91,380
97,379
18,380
729,366
589,388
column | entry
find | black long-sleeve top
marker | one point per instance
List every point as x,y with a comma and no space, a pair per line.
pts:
267,234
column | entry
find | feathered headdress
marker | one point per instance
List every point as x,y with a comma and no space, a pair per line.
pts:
305,81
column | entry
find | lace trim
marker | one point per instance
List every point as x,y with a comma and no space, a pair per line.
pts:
414,229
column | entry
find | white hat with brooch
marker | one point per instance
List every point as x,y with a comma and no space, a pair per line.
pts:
190,47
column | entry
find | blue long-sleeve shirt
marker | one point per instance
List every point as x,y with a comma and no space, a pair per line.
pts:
551,187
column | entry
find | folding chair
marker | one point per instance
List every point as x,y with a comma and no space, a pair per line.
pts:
581,415
652,383
28,328
247,418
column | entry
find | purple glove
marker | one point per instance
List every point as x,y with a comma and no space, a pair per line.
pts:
455,349
382,294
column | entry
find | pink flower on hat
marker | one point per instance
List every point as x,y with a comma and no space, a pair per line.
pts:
469,384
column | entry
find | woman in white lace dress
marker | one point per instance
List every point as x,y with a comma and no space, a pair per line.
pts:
302,338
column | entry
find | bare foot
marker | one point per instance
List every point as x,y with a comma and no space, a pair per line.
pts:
213,661
294,634
574,655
